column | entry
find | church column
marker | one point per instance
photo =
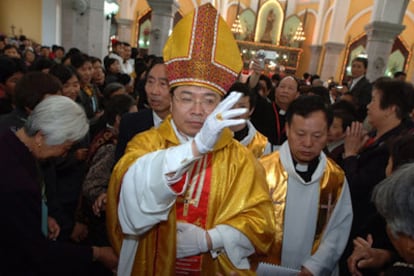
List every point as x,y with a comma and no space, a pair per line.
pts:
124,29
330,62
51,22
162,19
384,27
316,51
88,29
335,42
316,47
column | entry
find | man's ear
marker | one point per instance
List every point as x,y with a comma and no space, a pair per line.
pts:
251,111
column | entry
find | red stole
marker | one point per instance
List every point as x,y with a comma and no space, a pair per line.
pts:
191,207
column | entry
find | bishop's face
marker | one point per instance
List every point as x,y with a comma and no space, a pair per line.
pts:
307,136
190,107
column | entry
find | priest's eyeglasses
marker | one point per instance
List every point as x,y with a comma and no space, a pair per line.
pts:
208,103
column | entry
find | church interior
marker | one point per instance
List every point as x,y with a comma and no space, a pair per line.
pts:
316,36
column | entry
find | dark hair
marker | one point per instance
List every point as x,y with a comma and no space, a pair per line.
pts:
62,72
345,111
59,48
10,66
399,73
140,67
397,93
305,105
95,59
306,75
33,87
142,99
267,80
245,89
363,60
118,105
276,77
155,61
322,92
401,150
111,88
10,46
314,77
332,85
78,60
108,62
42,63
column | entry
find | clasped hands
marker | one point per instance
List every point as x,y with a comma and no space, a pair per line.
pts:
222,116
365,256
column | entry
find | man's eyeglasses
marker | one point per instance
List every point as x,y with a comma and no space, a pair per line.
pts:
188,101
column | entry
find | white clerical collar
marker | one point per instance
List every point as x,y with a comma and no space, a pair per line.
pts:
302,167
157,119
182,137
282,112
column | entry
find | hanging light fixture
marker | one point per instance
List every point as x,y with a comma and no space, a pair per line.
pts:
236,28
299,34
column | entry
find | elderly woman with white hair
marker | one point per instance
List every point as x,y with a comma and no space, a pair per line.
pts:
394,199
51,129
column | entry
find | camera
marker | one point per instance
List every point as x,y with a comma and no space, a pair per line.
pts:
260,55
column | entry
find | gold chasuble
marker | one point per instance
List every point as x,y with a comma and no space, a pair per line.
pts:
258,144
331,184
234,193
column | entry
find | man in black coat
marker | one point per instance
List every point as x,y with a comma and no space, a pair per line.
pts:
159,100
360,87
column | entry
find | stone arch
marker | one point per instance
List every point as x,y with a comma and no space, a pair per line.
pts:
355,18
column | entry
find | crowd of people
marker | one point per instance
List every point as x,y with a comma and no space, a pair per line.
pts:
146,165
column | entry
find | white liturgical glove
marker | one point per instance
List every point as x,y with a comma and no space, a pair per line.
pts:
191,240
221,117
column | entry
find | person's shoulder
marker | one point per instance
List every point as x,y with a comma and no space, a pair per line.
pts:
141,118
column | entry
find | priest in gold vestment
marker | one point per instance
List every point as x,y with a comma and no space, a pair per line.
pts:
311,199
186,198
246,133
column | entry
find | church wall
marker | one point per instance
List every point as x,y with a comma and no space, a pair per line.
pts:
186,6
407,36
25,15
306,54
357,6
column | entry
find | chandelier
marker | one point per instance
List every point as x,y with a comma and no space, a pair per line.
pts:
236,28
299,34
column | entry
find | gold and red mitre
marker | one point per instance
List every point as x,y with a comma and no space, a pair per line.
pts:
202,51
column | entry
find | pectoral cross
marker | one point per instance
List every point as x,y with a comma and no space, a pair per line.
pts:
329,207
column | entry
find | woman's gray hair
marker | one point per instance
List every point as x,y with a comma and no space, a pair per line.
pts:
394,199
59,119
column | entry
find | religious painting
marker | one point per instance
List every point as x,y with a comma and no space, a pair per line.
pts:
247,20
144,34
269,22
